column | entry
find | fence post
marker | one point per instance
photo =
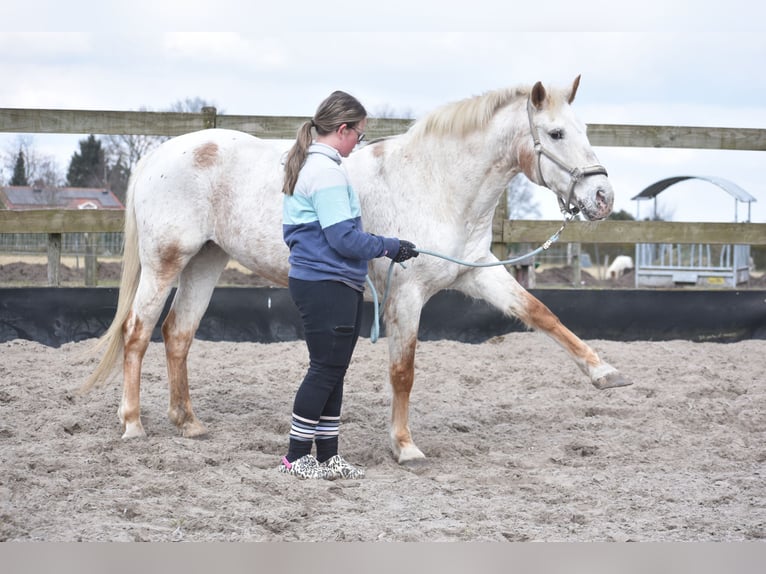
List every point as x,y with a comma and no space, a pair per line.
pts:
576,264
91,276
54,259
209,117
500,250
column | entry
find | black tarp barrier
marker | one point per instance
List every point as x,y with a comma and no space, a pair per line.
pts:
54,316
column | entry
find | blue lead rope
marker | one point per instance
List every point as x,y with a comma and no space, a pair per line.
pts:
377,309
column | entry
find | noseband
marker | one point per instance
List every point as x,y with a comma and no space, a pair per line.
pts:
576,174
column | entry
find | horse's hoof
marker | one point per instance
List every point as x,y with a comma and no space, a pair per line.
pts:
610,381
410,454
194,430
134,430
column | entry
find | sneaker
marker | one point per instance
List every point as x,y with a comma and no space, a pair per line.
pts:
337,467
305,467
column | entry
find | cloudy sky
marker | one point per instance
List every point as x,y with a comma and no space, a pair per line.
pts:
684,62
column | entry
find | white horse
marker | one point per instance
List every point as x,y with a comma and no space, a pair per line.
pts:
621,265
205,197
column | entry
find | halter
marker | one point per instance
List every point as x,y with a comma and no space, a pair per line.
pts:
576,174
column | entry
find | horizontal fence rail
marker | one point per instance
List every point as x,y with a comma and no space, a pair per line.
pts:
632,232
505,231
18,120
56,222
61,221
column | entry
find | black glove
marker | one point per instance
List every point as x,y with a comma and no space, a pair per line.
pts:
406,251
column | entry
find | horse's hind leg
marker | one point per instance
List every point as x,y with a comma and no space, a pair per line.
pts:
195,288
137,332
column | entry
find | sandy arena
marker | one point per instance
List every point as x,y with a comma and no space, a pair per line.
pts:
520,447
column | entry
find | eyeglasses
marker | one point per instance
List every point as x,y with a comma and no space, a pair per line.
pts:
359,135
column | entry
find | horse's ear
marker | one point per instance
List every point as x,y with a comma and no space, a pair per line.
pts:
575,85
538,95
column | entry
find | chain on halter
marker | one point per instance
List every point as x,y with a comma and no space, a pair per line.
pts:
576,174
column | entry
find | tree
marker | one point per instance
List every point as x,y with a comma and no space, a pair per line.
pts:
521,204
119,175
621,215
191,105
389,112
20,171
40,169
88,167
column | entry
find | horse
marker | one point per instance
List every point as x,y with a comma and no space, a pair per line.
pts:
203,198
621,265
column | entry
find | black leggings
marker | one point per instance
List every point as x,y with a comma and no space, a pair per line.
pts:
332,317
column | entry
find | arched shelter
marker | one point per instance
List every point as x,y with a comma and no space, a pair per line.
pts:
662,265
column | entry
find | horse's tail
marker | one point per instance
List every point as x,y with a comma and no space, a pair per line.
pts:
111,343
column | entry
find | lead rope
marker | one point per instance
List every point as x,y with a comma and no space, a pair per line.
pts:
377,309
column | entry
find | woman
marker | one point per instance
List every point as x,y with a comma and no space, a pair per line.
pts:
329,252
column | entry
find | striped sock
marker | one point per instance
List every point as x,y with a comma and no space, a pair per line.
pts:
327,437
302,433
327,427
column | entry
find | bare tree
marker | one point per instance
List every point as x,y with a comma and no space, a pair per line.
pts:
521,204
388,112
191,105
41,169
126,149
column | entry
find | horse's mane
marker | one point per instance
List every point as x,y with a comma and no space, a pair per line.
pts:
465,116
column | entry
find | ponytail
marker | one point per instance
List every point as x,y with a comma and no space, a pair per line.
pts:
296,157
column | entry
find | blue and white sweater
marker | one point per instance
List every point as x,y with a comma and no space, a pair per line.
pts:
322,224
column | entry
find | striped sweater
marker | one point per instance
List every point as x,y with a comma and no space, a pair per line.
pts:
322,224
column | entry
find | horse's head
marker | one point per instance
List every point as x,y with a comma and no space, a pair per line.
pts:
562,158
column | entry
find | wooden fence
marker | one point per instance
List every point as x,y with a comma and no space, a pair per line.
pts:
56,222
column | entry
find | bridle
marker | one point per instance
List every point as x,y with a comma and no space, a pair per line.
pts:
576,174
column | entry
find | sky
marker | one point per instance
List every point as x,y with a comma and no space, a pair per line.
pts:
681,63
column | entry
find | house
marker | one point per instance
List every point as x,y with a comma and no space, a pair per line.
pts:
20,198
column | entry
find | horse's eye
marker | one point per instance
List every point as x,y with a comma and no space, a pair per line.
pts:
556,134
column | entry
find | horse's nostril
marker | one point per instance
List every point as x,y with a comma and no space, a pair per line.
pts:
600,198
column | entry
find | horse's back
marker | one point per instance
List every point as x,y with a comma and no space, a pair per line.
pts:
205,169
216,185
206,152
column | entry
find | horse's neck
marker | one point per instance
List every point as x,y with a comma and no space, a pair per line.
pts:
473,176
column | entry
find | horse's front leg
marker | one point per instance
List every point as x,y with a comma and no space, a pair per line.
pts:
496,286
536,315
402,321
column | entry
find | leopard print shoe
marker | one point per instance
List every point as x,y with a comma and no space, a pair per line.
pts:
305,467
337,467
